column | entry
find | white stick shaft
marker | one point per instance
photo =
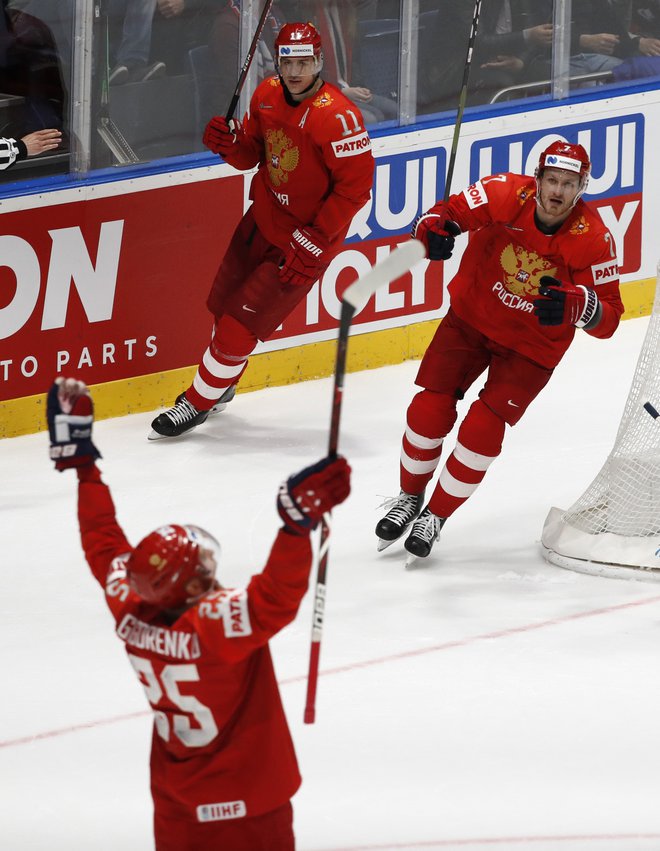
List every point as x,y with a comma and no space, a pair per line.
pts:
399,261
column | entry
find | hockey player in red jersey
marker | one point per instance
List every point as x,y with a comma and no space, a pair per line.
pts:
539,263
315,171
223,766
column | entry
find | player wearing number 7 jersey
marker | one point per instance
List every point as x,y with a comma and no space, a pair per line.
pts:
314,173
539,264
223,766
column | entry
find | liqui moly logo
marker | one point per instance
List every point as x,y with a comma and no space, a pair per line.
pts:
615,146
403,185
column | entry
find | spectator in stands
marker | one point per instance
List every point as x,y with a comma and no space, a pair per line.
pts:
603,41
130,23
30,69
646,17
31,145
180,25
513,38
58,16
602,34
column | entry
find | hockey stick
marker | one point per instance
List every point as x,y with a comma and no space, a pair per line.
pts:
399,261
248,61
462,99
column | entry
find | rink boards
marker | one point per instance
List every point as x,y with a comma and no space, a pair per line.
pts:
109,280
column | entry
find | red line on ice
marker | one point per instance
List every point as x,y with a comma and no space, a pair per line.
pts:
368,663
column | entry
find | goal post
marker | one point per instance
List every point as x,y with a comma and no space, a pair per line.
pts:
613,529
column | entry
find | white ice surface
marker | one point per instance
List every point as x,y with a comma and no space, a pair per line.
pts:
486,700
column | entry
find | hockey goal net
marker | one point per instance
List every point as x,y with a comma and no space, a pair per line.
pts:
613,529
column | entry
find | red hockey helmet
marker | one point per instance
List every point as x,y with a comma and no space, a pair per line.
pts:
567,157
297,41
162,566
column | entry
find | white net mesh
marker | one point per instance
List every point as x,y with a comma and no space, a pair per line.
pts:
616,522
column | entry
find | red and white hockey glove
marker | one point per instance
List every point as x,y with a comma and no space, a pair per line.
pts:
220,136
305,497
565,304
436,231
70,413
307,258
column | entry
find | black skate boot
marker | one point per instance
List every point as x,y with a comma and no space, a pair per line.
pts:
183,416
224,400
402,511
177,420
424,533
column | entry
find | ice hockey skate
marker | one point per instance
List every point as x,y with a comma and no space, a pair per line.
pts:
424,533
402,510
183,416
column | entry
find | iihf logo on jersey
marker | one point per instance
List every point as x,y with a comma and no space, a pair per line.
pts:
221,811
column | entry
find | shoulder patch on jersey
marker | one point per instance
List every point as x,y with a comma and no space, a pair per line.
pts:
323,99
580,226
352,145
475,195
232,608
274,81
605,273
524,193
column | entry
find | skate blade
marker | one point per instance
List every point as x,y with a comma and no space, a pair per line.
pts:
383,544
153,435
218,409
414,562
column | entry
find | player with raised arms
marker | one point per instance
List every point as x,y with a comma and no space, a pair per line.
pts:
540,263
315,171
223,766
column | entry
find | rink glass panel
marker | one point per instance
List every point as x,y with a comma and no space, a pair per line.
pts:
403,62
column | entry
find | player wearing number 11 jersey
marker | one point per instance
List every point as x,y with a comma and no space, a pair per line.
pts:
314,173
223,767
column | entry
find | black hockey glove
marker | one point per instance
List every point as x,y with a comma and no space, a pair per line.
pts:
436,231
70,413
566,304
305,497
